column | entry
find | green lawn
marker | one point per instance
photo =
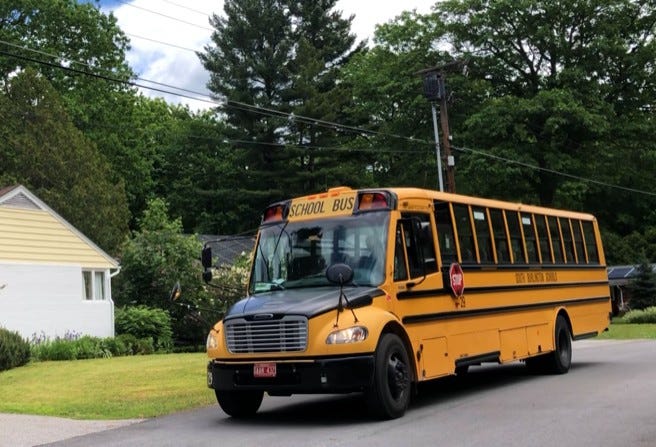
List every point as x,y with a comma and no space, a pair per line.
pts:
139,386
116,388
628,331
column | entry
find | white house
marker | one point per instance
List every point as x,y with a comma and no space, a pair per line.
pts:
53,279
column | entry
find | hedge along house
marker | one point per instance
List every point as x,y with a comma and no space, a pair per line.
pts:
53,279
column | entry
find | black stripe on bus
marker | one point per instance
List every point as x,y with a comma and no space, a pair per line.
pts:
504,288
423,318
523,267
585,335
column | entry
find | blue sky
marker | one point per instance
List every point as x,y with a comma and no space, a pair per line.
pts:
165,34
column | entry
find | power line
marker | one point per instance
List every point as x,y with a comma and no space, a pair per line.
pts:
163,43
299,118
132,5
188,8
551,171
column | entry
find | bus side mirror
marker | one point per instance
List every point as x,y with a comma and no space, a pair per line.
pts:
339,274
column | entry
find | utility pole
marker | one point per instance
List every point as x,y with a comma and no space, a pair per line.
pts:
435,92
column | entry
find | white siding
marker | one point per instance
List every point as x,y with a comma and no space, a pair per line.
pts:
49,299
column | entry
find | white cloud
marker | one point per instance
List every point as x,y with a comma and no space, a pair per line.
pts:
174,29
164,37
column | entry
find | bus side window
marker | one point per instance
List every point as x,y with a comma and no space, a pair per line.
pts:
500,236
483,235
579,245
590,242
425,249
567,240
554,232
465,236
532,247
543,237
515,237
445,233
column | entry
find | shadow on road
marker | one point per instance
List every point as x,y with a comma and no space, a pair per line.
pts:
340,410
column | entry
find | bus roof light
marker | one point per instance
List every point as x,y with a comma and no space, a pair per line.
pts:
373,201
274,213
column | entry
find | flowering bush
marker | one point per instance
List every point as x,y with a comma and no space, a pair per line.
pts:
75,346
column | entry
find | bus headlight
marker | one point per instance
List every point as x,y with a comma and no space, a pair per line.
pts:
212,340
353,334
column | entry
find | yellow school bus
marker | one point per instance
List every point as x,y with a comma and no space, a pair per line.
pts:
376,290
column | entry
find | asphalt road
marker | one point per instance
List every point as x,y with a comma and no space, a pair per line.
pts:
608,399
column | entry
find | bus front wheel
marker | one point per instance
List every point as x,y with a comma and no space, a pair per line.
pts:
239,404
389,395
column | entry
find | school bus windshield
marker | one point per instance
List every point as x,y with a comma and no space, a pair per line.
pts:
296,254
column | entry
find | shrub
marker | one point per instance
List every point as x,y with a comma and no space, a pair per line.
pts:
644,316
144,346
114,347
145,322
14,350
57,349
88,347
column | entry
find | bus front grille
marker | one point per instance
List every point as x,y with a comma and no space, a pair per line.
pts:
288,334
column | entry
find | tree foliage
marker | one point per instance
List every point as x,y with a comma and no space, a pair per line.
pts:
82,52
42,149
643,287
565,80
269,58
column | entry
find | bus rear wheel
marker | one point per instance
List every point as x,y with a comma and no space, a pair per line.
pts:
239,404
389,395
560,360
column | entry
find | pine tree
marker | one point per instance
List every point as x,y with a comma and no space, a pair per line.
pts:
324,45
643,287
268,59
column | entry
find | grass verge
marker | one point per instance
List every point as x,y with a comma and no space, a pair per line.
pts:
116,388
139,386
628,331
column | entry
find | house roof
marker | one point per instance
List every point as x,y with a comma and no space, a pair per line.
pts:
623,274
34,232
226,249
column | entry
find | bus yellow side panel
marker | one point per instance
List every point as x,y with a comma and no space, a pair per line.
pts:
539,338
434,361
473,344
514,344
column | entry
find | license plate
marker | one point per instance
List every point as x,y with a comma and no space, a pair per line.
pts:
264,370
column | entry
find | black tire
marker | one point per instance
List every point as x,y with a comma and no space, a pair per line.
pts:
462,370
389,395
560,360
239,404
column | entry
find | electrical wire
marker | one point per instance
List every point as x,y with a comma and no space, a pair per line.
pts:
298,118
132,5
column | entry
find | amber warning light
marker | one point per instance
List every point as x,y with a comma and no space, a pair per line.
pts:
274,213
373,201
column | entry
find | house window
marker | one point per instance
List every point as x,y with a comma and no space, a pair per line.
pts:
99,286
93,286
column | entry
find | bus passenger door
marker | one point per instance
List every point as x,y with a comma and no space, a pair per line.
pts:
419,290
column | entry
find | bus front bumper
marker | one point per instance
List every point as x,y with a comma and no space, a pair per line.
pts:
333,375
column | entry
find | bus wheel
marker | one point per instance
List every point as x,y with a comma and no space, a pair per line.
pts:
389,396
239,404
560,360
